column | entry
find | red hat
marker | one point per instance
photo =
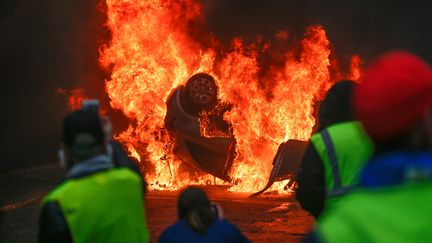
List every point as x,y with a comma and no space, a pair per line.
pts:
395,93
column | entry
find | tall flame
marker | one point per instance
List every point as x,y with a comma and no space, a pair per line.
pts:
260,124
152,51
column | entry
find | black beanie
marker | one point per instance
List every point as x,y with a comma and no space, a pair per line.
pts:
82,129
337,105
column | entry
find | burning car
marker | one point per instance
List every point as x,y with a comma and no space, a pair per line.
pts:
214,153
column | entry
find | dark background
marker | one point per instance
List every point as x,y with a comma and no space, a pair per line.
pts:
47,44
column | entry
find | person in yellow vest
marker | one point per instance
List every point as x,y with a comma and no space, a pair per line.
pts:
393,202
335,155
97,201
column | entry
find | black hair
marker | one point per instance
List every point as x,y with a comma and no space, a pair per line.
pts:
337,105
195,208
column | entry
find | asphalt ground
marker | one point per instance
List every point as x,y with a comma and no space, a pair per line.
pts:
267,218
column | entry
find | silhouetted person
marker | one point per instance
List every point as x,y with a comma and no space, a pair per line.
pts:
200,221
97,201
335,155
393,202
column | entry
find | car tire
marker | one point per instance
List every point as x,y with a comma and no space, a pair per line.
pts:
200,93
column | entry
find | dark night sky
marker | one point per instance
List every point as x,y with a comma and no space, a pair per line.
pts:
47,44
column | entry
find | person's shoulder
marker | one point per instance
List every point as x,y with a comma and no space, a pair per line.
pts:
124,173
223,223
230,232
226,226
56,191
167,234
171,231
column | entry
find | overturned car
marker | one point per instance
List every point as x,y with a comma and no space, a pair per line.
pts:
215,154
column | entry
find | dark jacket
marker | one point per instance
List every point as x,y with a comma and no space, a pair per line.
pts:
311,191
219,231
121,159
52,223
334,109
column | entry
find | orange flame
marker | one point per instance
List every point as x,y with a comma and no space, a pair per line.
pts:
355,68
74,97
261,124
151,52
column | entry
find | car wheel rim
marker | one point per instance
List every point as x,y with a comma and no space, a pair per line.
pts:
202,90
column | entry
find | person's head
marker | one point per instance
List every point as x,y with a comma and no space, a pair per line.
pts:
195,209
394,102
83,136
336,106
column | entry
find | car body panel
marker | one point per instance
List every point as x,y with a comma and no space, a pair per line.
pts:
215,155
212,155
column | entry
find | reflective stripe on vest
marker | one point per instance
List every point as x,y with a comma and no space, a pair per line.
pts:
338,188
344,149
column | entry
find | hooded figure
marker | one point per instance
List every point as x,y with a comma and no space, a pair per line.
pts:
335,155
